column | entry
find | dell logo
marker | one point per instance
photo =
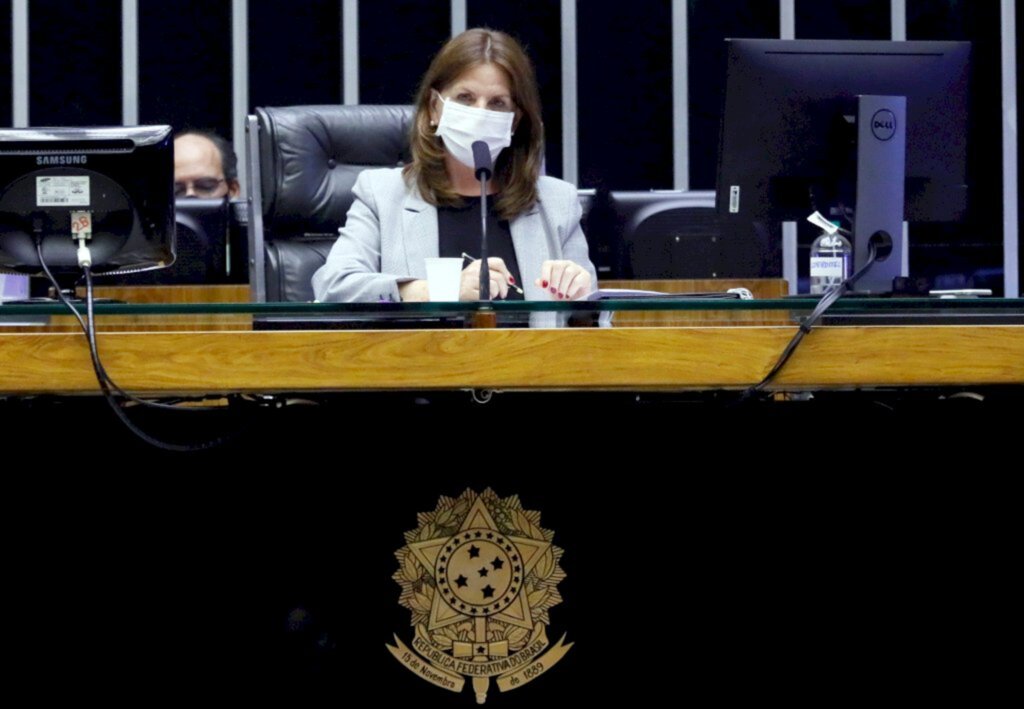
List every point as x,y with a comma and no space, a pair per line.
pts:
61,159
883,124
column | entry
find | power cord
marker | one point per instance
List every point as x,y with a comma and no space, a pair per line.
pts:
879,248
106,383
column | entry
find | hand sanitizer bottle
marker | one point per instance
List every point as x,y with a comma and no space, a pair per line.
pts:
831,261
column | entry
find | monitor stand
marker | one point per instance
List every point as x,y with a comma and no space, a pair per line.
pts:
881,169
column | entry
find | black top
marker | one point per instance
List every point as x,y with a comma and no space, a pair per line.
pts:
458,231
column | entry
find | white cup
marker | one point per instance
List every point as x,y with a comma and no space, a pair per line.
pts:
444,277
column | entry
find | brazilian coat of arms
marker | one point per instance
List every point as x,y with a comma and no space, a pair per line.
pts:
479,575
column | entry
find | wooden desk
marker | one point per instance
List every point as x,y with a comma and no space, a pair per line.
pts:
670,358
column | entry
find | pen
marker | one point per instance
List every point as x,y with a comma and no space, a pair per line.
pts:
510,285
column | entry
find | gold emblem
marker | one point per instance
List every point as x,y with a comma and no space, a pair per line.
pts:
479,575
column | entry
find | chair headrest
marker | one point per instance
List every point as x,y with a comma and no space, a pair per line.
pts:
310,157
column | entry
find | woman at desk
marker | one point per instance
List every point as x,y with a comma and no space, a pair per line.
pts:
480,86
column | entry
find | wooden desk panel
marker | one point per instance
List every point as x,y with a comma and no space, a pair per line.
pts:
575,358
226,293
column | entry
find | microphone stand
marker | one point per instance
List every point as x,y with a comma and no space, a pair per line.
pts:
485,315
485,269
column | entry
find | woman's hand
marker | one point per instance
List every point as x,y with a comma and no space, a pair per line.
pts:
565,280
500,278
414,291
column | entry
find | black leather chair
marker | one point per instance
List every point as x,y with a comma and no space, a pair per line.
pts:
679,235
668,234
303,162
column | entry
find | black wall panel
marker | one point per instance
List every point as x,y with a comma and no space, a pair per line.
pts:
294,53
710,23
6,105
625,94
74,63
537,26
397,40
968,254
185,64
843,19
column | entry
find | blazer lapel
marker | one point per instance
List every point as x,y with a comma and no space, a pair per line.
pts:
419,231
529,240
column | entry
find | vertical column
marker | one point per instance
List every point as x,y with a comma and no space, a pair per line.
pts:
898,25
787,30
898,20
130,62
350,51
459,17
1011,196
787,19
680,96
19,63
239,79
570,127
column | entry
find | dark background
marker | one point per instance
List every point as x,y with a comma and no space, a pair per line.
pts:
624,79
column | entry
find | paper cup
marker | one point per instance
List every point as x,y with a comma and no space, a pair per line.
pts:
444,276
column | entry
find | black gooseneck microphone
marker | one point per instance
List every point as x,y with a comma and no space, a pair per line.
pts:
483,171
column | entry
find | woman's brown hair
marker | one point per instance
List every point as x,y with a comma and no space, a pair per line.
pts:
518,166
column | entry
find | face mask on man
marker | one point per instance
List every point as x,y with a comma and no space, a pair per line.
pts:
461,126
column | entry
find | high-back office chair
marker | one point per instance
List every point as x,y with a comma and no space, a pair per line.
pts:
669,235
679,235
302,164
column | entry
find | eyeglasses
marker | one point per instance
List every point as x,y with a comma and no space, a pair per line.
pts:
203,187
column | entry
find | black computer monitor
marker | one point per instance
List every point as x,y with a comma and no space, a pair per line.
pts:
791,141
123,177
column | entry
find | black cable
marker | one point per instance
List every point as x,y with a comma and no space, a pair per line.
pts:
103,379
107,384
101,372
831,296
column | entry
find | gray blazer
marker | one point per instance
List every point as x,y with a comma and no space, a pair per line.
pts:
390,230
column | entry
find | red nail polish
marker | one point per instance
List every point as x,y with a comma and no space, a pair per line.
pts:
511,279
543,284
553,289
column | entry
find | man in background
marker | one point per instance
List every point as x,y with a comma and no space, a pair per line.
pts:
205,166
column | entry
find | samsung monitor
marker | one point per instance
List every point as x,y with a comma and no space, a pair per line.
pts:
121,179
872,132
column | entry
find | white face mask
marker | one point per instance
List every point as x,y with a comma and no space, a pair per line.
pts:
461,126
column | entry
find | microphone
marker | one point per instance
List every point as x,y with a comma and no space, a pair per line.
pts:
482,160
483,170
